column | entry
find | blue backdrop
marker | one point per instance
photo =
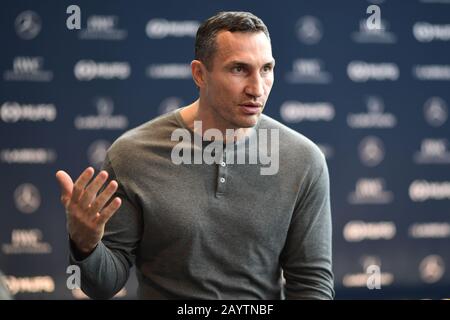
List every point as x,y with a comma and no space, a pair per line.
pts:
376,102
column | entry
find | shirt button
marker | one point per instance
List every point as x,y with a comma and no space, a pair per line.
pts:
222,180
223,164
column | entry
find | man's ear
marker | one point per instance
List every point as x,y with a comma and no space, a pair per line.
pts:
198,70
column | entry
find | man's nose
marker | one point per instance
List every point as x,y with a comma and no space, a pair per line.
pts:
255,86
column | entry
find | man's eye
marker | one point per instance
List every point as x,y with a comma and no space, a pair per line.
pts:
238,69
267,69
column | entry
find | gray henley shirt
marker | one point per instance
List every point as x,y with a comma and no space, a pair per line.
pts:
214,231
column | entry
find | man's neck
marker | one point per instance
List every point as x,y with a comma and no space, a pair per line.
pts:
196,112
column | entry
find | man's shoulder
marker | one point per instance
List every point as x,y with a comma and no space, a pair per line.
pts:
150,133
152,128
291,141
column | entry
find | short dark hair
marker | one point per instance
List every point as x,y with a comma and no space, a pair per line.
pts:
233,21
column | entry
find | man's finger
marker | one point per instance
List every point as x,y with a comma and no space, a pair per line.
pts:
108,212
91,190
66,184
81,183
103,198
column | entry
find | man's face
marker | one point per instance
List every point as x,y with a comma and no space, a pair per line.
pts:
240,78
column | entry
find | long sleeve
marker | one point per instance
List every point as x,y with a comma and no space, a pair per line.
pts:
105,271
306,259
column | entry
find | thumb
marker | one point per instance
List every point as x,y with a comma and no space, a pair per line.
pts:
66,184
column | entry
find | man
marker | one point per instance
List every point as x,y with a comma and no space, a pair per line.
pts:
207,231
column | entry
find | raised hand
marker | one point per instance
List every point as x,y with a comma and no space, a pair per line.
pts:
86,211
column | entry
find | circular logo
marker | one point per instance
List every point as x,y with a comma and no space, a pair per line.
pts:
435,111
85,70
27,198
375,104
104,105
170,104
97,152
367,261
432,269
309,30
371,151
28,25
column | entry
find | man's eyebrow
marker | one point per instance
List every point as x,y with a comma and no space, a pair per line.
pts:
245,64
237,63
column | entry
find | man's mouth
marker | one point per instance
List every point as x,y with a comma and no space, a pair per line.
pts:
250,108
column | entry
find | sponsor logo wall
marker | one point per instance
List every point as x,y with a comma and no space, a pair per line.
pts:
375,101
